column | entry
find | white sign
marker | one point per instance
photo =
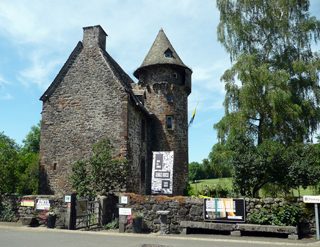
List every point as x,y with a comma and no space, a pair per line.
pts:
124,211
67,198
124,199
43,204
311,199
162,172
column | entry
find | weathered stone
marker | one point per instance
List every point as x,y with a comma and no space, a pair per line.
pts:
93,98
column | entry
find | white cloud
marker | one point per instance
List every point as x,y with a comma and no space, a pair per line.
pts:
3,81
40,69
7,96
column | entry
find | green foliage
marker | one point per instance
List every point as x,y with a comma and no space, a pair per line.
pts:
111,225
278,94
32,140
102,173
188,191
287,215
220,161
6,212
215,190
10,165
196,171
271,162
30,175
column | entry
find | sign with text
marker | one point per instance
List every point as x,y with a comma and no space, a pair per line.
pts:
311,199
224,210
82,207
27,203
42,204
162,171
124,211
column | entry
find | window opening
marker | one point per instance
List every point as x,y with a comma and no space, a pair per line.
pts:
169,98
169,122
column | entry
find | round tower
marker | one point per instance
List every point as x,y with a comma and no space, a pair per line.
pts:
167,83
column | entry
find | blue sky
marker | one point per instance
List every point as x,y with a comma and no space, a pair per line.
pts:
36,38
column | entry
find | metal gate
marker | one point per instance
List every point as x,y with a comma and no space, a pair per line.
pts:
88,213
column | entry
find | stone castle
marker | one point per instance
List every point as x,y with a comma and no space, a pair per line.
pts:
93,98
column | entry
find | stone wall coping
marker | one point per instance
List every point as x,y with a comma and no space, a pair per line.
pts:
163,212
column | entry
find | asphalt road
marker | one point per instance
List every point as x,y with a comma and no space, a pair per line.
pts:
13,236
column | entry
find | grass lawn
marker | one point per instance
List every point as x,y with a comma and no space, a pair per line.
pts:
226,182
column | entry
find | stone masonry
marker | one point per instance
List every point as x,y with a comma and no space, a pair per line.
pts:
93,98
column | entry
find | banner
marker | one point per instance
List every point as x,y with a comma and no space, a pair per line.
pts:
162,172
224,210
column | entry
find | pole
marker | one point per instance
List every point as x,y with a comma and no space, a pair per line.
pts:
317,220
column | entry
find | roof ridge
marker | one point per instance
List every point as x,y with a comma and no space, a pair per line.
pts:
63,71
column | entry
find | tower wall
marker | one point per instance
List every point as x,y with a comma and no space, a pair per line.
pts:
161,81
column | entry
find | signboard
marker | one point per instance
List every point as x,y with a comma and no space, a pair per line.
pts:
224,210
67,198
42,204
124,211
162,171
27,203
311,199
124,199
82,206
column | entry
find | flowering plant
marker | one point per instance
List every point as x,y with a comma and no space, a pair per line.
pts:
48,212
132,216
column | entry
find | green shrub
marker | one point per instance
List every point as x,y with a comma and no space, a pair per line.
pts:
6,212
287,215
111,225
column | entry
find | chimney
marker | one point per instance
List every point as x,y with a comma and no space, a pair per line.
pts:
94,36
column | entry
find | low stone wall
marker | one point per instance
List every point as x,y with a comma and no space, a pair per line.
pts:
191,209
57,203
180,208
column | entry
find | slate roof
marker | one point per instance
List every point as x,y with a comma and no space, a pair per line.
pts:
156,54
121,76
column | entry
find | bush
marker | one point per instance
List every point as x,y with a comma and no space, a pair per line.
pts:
111,225
6,212
287,215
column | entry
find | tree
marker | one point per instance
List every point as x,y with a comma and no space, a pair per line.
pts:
287,167
220,161
102,173
196,171
9,164
279,94
32,140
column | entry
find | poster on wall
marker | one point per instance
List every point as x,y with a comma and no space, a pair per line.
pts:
224,210
162,171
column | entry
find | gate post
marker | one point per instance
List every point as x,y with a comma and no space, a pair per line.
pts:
71,214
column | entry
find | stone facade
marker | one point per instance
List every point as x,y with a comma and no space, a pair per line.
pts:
93,98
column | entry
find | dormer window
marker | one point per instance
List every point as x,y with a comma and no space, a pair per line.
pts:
168,53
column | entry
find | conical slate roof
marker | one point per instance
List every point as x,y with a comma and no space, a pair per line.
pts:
157,54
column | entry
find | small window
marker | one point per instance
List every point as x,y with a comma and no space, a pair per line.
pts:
55,166
169,98
169,122
175,75
168,53
143,169
143,130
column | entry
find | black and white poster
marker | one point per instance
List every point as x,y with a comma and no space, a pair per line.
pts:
162,171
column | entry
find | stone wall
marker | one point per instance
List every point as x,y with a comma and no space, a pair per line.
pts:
180,208
85,107
57,203
161,81
191,209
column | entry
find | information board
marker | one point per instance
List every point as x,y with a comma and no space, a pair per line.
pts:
162,171
42,204
224,210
